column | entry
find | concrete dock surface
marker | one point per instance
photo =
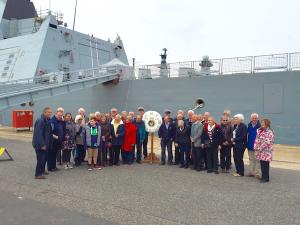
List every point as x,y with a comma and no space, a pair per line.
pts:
144,194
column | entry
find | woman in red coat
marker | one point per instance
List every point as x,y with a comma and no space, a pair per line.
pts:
129,141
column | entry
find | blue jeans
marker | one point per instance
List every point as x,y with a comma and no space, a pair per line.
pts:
41,157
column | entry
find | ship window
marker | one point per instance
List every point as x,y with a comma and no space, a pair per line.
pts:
8,62
53,26
6,68
3,74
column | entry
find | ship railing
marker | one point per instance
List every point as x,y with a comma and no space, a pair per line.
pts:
59,79
41,14
64,77
224,66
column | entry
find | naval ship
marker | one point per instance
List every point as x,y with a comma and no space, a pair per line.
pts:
45,63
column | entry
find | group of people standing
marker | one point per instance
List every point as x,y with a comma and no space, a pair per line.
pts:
198,140
102,136
203,144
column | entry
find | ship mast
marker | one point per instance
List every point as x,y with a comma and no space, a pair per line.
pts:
75,15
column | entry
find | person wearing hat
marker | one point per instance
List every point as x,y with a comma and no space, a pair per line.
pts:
166,134
239,142
141,112
168,112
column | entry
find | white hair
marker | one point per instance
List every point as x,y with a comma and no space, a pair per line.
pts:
113,109
77,118
191,111
60,109
207,113
240,116
254,115
97,114
81,110
227,111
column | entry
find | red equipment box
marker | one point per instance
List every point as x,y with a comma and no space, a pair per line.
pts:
22,119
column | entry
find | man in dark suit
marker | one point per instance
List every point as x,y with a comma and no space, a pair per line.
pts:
42,142
189,122
166,134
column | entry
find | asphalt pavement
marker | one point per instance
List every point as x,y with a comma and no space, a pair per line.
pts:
141,194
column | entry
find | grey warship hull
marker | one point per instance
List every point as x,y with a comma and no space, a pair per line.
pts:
273,95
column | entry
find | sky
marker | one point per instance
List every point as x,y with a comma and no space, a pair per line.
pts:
189,29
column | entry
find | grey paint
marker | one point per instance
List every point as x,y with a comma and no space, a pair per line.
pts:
272,95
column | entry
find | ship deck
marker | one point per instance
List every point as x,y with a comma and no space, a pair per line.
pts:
145,194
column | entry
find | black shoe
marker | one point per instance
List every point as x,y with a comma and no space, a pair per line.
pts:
117,164
139,161
216,172
223,171
176,163
186,166
209,171
181,166
162,163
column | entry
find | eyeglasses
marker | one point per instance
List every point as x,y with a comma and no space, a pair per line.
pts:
225,120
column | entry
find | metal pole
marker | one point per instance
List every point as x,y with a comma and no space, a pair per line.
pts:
75,15
133,63
49,6
152,145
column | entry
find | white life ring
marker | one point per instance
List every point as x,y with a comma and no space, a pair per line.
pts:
152,121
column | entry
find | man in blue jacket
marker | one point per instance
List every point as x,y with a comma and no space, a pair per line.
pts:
254,165
141,112
58,126
42,141
140,137
166,134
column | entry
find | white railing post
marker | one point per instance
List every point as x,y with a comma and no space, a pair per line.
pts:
288,61
221,67
252,65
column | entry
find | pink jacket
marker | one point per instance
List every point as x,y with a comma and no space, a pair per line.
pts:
263,145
